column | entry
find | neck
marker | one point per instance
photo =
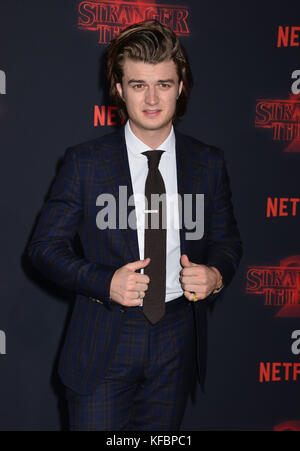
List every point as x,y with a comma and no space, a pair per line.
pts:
152,138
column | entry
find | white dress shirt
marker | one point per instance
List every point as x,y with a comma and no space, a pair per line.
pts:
138,165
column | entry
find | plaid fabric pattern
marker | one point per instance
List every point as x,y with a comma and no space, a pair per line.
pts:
147,383
101,166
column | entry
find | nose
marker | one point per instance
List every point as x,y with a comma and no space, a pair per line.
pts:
151,97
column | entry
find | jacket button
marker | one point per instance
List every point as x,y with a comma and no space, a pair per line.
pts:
96,300
123,310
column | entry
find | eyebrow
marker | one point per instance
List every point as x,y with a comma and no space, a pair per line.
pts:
168,80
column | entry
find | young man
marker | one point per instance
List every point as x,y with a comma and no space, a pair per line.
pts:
136,339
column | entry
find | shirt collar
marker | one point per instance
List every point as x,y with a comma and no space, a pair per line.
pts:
136,146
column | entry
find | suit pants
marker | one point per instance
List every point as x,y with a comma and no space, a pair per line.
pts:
149,378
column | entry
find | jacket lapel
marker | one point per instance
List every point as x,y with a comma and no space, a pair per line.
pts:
115,155
191,178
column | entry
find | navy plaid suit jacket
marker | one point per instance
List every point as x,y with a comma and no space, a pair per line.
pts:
101,166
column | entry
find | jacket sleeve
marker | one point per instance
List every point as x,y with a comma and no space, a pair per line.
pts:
50,249
224,241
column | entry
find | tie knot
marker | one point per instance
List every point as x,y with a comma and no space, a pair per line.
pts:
153,158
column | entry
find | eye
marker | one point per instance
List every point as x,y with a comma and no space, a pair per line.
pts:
138,86
164,85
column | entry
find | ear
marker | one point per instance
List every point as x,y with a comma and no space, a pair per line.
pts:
180,88
120,90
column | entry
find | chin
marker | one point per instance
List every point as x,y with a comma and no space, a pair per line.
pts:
155,125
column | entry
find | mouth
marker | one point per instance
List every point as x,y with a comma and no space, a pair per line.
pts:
151,113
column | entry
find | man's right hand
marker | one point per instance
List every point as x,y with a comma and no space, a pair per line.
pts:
126,284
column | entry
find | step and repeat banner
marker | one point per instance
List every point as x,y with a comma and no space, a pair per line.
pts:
245,58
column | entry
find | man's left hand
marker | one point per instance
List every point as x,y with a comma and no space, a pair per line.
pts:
199,279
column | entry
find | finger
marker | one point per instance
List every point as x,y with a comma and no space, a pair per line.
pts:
184,261
195,280
194,288
197,270
131,299
136,294
134,266
132,302
191,296
142,278
188,295
137,287
141,286
126,300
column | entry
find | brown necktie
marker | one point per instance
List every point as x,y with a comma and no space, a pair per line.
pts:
155,241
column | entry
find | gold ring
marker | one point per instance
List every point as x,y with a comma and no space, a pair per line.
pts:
139,294
195,297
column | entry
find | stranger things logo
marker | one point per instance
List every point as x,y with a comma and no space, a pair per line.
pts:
109,18
283,118
288,426
279,285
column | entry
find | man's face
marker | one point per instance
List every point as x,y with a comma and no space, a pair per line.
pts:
150,93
